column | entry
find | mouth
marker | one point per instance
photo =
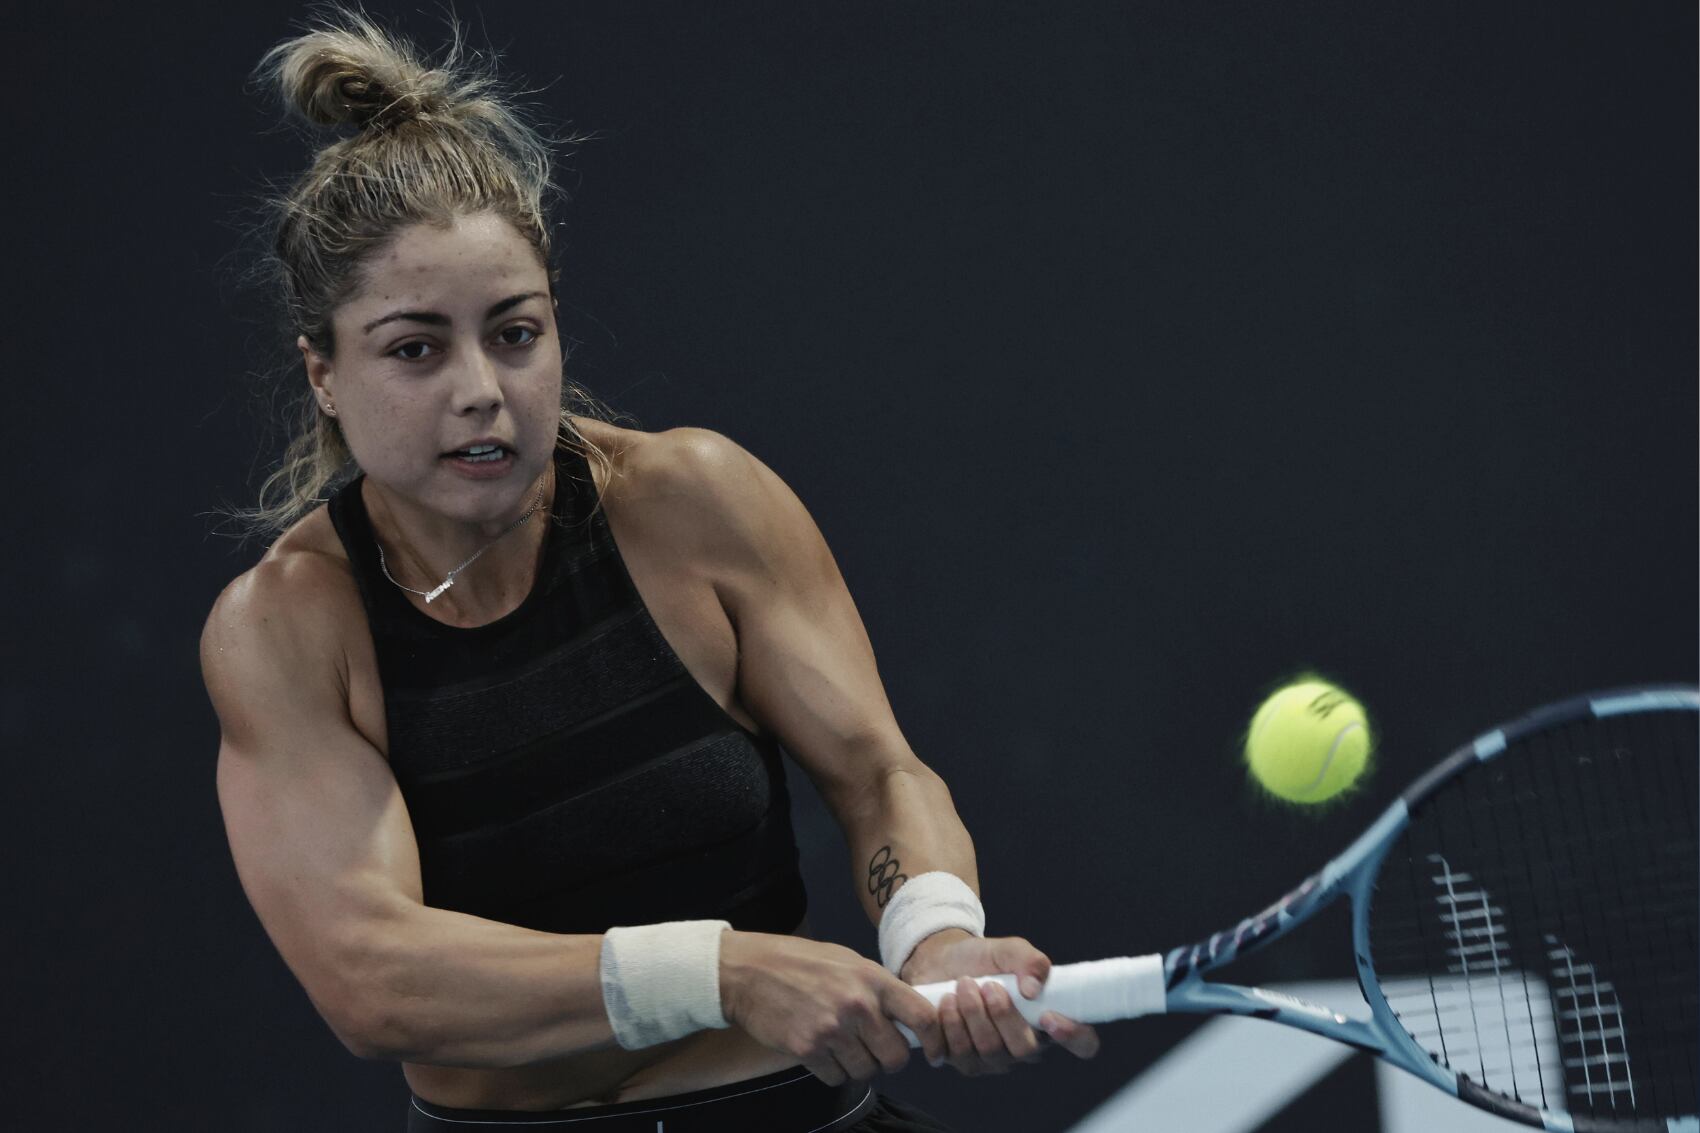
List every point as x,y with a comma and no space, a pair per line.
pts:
485,460
483,453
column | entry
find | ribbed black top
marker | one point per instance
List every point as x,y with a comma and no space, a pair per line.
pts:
562,768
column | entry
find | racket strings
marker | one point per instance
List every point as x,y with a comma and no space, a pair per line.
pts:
1540,933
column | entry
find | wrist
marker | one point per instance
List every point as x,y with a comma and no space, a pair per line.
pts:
923,906
662,981
922,964
735,971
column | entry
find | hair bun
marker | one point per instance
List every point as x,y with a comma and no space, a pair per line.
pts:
354,72
369,101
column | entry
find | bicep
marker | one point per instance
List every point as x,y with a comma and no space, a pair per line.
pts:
318,831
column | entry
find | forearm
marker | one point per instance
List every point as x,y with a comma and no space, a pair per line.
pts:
448,989
903,826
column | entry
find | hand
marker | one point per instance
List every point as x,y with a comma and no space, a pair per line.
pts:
827,1006
982,1028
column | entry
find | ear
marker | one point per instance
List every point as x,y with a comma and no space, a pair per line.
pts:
318,370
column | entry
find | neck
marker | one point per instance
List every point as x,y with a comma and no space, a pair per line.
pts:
421,547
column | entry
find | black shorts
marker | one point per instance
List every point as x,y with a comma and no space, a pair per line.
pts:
790,1101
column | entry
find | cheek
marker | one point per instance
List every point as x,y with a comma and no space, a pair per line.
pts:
542,401
385,422
410,401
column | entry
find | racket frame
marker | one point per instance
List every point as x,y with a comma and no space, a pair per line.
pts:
1127,987
1353,873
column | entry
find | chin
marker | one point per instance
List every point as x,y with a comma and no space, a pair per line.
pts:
486,497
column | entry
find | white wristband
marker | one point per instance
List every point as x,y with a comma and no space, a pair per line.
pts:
662,981
923,905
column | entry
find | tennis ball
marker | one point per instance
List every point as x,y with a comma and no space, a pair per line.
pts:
1308,742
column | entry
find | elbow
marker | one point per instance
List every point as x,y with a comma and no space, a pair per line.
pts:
871,800
362,1041
377,1034
362,1032
362,1048
367,1014
916,775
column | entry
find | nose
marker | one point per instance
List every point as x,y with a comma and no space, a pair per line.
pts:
476,388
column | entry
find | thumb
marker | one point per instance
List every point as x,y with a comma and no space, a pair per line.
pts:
1030,966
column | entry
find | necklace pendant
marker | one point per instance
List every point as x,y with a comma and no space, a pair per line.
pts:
433,595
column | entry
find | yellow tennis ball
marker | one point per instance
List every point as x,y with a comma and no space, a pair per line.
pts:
1308,742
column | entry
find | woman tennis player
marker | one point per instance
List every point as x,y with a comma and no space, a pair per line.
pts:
502,704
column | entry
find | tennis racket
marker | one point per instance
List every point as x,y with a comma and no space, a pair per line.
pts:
1524,925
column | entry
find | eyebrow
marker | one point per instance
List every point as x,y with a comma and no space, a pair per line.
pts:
434,319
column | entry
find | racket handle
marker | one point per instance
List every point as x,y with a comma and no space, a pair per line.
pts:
1093,991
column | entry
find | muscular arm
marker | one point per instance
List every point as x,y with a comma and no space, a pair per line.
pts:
806,670
325,851
901,823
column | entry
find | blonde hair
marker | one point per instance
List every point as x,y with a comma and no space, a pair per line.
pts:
431,142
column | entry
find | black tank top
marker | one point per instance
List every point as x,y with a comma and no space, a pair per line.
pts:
562,768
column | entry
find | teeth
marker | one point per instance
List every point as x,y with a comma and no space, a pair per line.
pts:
481,453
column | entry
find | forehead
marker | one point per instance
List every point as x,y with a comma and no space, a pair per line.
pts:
473,254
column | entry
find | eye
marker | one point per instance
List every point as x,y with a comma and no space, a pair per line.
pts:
420,355
397,352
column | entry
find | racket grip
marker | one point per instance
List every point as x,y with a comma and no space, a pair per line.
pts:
1093,991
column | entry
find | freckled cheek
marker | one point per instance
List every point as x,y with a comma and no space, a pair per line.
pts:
386,429
540,410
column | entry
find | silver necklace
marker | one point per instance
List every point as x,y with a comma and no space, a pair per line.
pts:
437,592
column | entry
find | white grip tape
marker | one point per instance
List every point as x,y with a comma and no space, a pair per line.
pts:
1093,991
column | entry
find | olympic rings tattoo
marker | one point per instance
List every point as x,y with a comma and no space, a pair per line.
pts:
883,876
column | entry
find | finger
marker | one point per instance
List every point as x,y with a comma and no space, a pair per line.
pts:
1030,966
826,1068
1078,1039
854,1057
959,1044
883,1041
912,1009
1045,1041
1018,1038
988,1044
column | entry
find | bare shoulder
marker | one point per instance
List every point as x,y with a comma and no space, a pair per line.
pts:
303,578
686,467
288,617
713,499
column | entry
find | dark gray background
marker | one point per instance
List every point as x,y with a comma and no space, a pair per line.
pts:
1131,356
